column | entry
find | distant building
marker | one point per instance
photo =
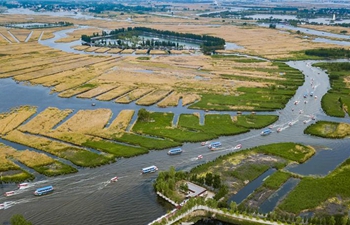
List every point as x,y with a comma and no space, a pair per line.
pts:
195,190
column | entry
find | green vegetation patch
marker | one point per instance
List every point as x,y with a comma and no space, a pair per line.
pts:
337,100
54,169
116,149
215,124
275,180
249,171
255,121
160,125
332,53
144,58
84,158
311,192
291,151
18,175
328,129
150,143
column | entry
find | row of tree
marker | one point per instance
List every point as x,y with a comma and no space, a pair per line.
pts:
208,43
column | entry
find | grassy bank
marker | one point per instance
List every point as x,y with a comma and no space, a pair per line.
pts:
328,129
54,169
337,100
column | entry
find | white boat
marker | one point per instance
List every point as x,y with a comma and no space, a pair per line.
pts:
2,206
279,130
9,193
23,185
290,124
200,157
204,143
296,102
239,146
114,179
150,169
305,121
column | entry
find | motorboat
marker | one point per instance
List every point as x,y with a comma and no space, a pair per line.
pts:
204,143
290,124
296,102
266,132
239,146
114,179
23,185
200,157
9,193
279,130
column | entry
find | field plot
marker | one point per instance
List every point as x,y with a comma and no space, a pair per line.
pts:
102,50
80,47
115,51
20,34
76,155
91,49
97,91
153,97
170,100
8,36
158,52
128,51
329,129
11,120
10,172
60,67
35,35
115,93
133,95
45,120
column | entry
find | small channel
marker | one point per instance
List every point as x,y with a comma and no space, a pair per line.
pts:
250,188
269,204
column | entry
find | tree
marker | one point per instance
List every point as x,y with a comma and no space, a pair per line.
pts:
332,220
144,115
19,220
216,181
272,26
209,179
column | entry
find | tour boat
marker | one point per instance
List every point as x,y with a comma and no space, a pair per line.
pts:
265,132
200,157
239,146
175,151
9,193
43,190
150,169
114,179
214,145
22,185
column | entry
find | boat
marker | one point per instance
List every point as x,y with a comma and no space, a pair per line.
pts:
175,151
305,95
279,130
290,124
114,179
266,132
239,146
296,102
2,206
43,190
200,157
311,94
9,193
23,185
150,169
305,121
204,143
214,145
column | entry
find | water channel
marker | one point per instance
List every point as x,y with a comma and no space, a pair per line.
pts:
87,197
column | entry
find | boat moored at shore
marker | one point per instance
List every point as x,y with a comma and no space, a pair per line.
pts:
43,190
175,151
150,169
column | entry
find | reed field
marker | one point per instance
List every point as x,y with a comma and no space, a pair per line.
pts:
45,120
115,93
97,91
153,97
11,120
20,34
35,35
133,95
80,47
170,100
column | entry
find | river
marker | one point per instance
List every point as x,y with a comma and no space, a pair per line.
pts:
87,197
